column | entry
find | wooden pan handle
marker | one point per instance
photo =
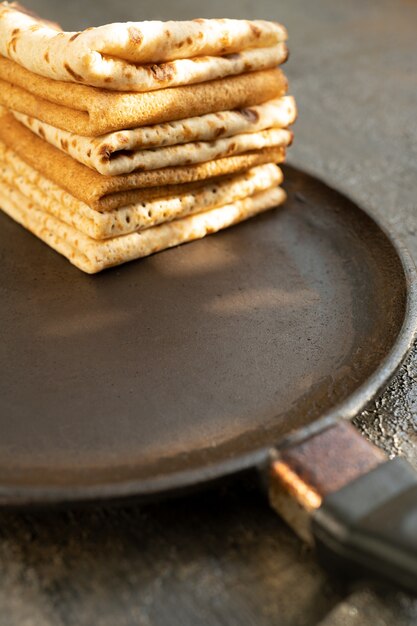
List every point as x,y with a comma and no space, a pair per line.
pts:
341,493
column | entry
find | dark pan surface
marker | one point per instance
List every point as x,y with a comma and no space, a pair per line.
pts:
193,362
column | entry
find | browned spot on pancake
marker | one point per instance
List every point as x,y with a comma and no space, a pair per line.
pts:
249,114
72,73
180,44
75,36
167,33
224,41
247,66
74,143
108,79
135,35
41,132
220,131
187,131
46,56
200,35
220,115
189,40
123,139
188,161
89,152
105,151
12,45
199,20
232,57
163,72
34,28
255,30
15,32
128,74
64,144
200,59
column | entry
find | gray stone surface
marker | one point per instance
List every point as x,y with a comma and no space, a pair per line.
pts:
223,557
364,607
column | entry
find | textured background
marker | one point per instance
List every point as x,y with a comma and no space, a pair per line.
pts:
223,557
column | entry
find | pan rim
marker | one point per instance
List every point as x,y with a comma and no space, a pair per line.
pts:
157,486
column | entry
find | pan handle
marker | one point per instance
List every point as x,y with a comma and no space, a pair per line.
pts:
359,509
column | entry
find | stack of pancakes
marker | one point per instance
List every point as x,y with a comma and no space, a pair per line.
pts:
127,139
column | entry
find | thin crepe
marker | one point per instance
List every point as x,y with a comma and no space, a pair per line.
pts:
171,156
93,256
141,56
54,200
91,112
124,151
111,192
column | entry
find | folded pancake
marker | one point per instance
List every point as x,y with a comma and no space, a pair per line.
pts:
170,156
92,256
91,112
141,56
110,192
54,200
125,151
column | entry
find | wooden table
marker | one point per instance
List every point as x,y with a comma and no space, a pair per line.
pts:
223,557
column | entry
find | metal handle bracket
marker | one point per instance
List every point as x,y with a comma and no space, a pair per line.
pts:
341,493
